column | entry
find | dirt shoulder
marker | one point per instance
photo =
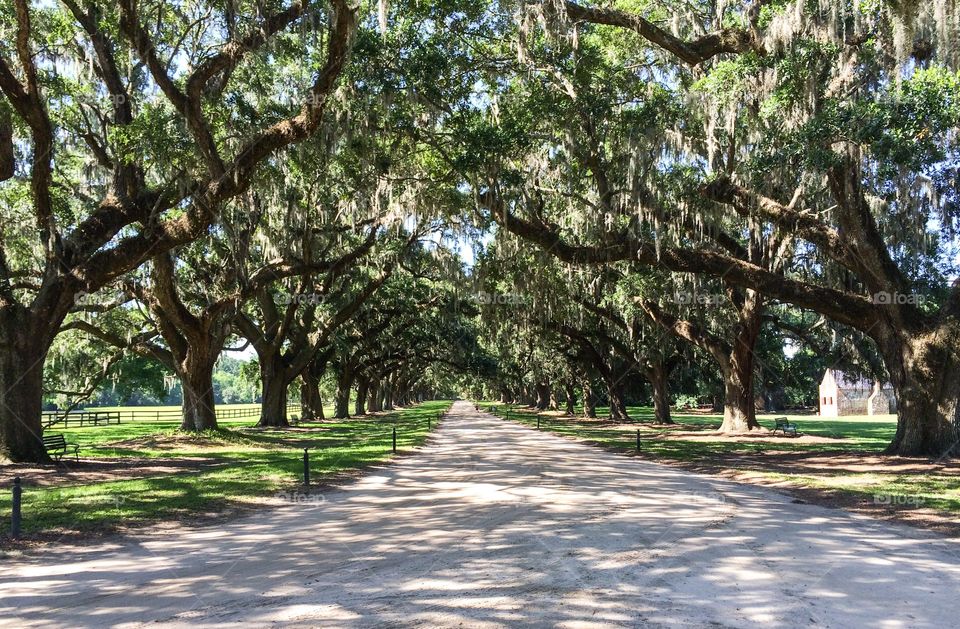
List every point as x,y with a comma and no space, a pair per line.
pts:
757,468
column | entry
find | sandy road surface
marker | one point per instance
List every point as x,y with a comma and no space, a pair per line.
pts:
492,525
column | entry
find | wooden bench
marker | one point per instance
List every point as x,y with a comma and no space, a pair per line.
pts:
782,423
57,446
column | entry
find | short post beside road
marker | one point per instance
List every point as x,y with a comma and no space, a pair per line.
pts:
394,438
538,422
306,467
15,516
638,440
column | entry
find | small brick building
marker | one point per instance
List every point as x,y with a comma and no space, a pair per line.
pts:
842,394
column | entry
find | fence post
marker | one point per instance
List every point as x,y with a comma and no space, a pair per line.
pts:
538,422
638,440
306,467
394,438
15,516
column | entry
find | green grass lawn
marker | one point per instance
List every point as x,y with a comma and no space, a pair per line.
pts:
932,484
235,465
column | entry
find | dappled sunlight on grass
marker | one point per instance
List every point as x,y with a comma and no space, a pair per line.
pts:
240,465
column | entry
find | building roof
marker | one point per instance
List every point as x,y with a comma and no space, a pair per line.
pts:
848,381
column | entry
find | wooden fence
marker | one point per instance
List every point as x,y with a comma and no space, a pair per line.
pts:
144,413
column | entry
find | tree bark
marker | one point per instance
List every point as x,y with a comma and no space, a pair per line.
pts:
589,402
373,396
739,411
7,154
273,409
659,383
739,404
196,377
925,373
360,407
618,409
571,401
22,354
543,396
342,398
311,402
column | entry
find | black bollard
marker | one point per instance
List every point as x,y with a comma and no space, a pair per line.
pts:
538,422
638,440
394,438
15,517
306,467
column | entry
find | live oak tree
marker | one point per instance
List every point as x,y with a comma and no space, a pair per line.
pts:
290,323
118,121
413,326
193,294
833,125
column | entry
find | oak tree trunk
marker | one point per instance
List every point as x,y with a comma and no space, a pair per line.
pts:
273,409
543,396
589,402
199,410
311,402
342,397
739,403
618,409
360,407
388,388
659,383
739,411
373,396
22,354
925,373
571,401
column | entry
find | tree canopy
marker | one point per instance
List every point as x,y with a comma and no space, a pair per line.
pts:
662,201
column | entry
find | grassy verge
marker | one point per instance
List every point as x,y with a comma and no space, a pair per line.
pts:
853,468
236,465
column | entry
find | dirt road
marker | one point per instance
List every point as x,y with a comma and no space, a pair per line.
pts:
496,525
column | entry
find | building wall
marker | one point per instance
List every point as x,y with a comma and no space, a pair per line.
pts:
836,402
